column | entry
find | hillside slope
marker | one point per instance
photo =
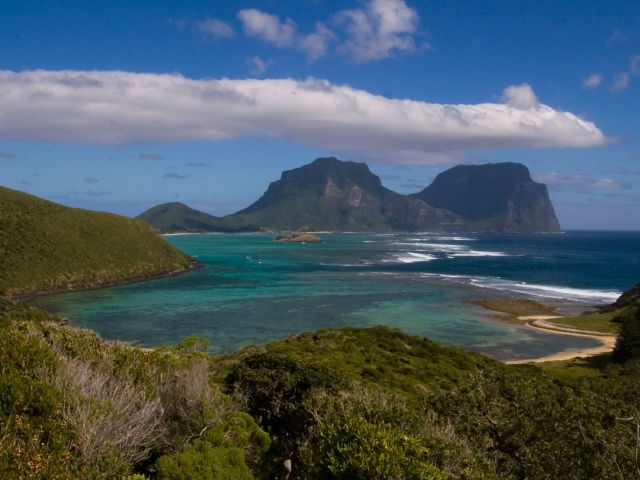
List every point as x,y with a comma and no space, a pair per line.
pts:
45,246
178,217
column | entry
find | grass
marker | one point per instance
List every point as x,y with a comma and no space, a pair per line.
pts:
45,247
515,308
592,322
577,368
512,310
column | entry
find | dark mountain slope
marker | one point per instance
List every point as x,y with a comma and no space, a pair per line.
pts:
329,194
493,197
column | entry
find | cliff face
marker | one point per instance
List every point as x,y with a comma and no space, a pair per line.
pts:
342,196
493,197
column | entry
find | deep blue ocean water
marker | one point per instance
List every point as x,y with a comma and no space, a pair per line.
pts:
251,289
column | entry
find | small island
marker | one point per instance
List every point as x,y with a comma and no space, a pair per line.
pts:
298,238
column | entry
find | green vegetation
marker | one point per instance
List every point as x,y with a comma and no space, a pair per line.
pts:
335,404
377,356
380,404
516,308
627,314
339,404
177,217
73,406
602,322
45,246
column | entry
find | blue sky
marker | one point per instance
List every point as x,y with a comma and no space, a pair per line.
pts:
122,105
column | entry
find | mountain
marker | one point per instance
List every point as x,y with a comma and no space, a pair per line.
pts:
493,197
178,217
329,194
45,246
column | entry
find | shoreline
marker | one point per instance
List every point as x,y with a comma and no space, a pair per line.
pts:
539,322
531,314
193,265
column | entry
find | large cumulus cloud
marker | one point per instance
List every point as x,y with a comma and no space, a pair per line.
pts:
114,107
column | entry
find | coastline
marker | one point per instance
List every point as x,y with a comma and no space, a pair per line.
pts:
193,265
535,315
607,342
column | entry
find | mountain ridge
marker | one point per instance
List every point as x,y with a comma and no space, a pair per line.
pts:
330,194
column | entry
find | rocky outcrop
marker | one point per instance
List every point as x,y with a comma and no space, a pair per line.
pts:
299,238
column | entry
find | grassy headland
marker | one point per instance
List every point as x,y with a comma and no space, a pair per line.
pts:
45,247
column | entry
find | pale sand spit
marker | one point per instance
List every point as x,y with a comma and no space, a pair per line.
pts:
607,341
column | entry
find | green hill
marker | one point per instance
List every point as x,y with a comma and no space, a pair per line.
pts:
45,246
178,217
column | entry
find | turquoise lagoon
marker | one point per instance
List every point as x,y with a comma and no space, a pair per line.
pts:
250,289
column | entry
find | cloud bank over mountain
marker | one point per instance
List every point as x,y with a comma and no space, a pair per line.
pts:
115,107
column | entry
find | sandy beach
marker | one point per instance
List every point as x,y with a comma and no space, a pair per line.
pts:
540,322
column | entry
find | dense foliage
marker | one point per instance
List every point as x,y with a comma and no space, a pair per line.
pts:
627,314
73,406
46,246
484,420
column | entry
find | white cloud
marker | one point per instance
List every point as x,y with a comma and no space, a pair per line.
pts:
316,44
268,27
215,28
578,182
378,30
520,97
592,81
258,66
620,83
113,107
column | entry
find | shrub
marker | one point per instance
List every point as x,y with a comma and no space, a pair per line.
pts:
369,434
275,387
628,341
219,454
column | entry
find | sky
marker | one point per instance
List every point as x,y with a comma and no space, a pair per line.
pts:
118,106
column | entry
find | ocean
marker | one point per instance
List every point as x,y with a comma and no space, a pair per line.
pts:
251,289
